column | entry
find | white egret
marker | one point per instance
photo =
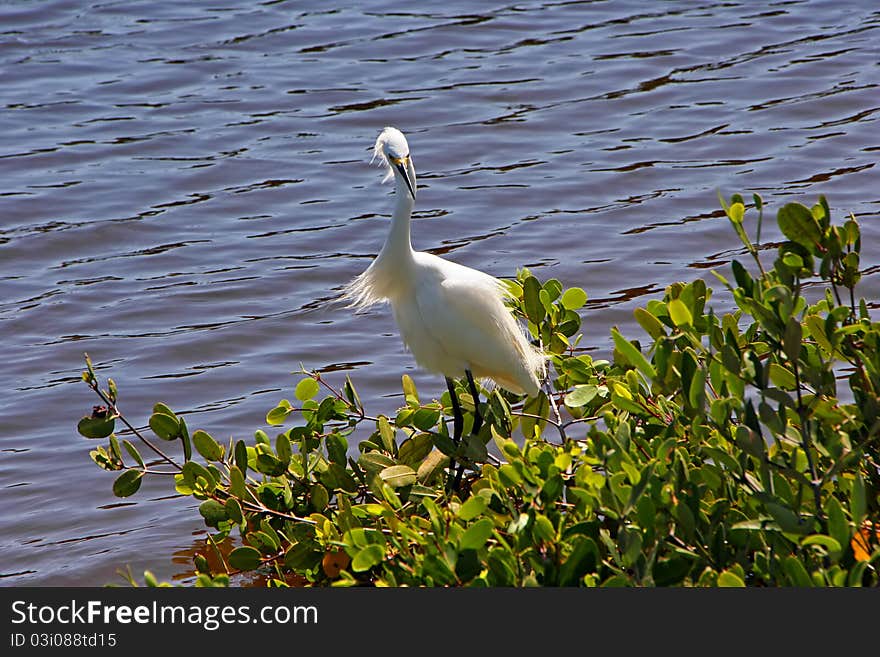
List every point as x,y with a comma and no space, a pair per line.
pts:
452,318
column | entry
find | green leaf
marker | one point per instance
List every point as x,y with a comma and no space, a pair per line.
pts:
302,556
192,470
581,395
816,326
337,476
796,573
398,475
539,406
474,506
241,459
159,407
279,414
532,300
750,442
827,542
697,390
685,518
127,483
858,505
374,461
475,449
414,450
791,341
185,440
306,389
386,433
742,276
114,448
632,354
282,447
838,526
799,225
367,557
544,297
543,529
622,399
270,465
96,427
245,558
574,298
782,377
337,448
409,389
236,482
728,578
426,419
476,535
213,512
553,288
793,260
583,559
787,519
679,313
351,394
135,454
167,427
320,497
653,326
233,510
207,446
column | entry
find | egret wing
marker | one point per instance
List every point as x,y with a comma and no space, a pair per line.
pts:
467,317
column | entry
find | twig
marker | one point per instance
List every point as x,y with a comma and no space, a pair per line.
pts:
115,409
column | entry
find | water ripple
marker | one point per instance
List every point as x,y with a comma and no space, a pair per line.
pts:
186,189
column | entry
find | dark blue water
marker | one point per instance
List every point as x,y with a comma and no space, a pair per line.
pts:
184,186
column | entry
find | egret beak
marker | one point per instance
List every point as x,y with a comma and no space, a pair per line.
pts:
405,167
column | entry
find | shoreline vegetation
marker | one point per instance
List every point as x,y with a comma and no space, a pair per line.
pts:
732,450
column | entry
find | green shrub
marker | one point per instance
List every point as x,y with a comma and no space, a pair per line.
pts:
734,450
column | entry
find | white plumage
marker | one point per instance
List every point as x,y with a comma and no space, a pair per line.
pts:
452,318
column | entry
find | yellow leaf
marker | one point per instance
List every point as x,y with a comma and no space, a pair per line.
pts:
861,542
333,562
679,313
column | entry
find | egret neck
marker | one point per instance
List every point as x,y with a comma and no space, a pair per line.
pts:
398,248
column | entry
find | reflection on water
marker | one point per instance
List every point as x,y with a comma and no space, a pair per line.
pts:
187,187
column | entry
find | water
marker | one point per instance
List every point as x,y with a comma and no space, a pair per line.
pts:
186,185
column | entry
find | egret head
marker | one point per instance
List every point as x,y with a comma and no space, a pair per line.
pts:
392,150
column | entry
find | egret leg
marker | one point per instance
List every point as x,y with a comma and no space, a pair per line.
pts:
457,417
478,418
457,424
478,423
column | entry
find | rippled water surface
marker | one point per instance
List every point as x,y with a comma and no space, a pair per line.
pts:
185,186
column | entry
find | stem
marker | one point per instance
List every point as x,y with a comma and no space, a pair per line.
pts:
317,377
536,417
836,292
591,418
805,436
555,408
115,409
219,553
